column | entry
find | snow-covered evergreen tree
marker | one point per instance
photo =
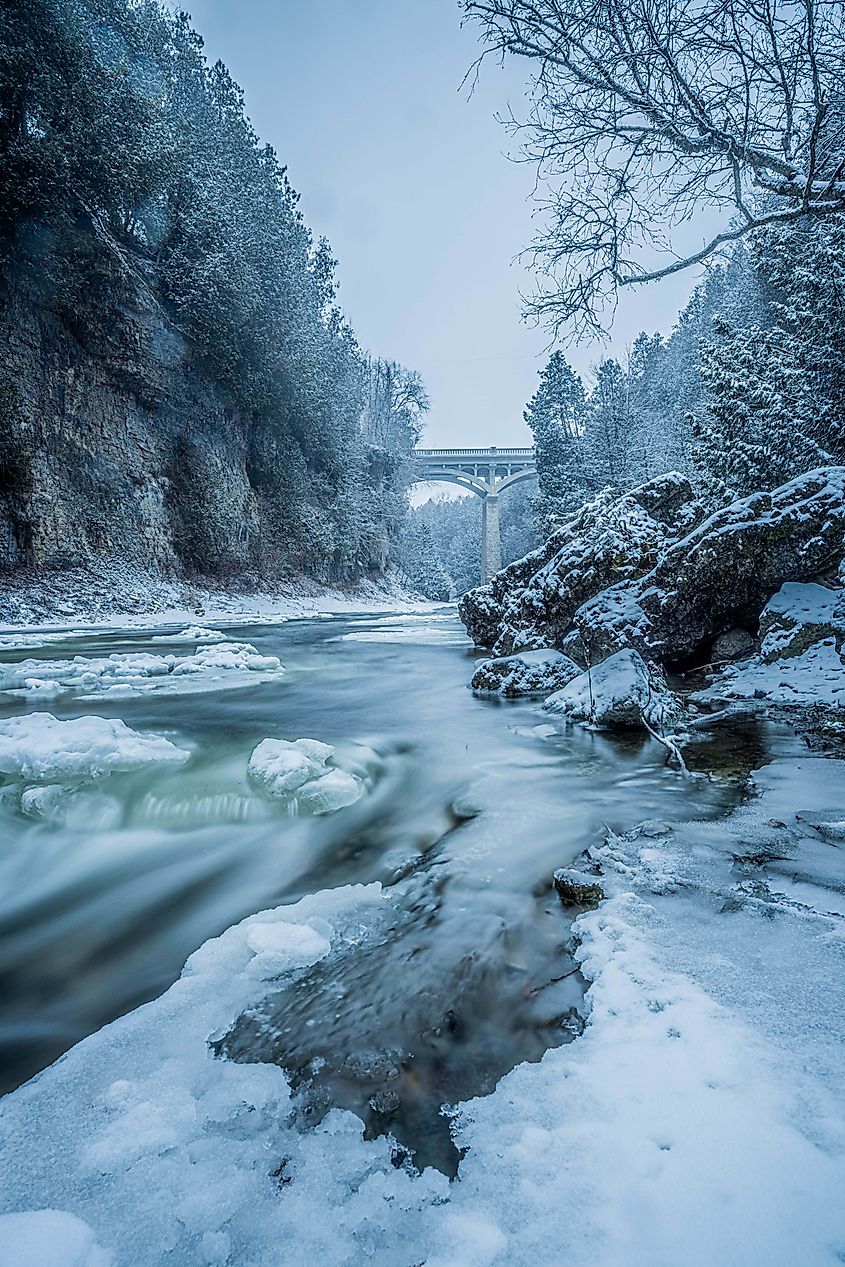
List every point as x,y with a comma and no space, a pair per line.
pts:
555,415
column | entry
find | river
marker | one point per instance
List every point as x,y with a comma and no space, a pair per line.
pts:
473,804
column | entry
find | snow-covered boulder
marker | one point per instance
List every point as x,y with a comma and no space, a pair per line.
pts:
621,693
527,673
301,771
724,572
799,616
532,602
38,748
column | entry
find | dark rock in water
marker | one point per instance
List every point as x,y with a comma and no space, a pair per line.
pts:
528,673
577,889
733,644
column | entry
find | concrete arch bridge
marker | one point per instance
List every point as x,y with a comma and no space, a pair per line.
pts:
485,472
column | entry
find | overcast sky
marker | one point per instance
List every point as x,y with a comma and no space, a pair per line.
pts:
409,179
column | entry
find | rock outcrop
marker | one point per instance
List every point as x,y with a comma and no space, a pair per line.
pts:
627,573
532,603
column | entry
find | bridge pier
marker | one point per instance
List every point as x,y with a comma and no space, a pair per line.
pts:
491,538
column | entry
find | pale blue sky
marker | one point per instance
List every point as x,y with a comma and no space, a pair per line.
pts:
409,180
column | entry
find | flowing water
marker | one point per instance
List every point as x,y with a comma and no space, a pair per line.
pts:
471,805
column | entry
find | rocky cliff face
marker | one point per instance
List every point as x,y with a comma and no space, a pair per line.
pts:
118,449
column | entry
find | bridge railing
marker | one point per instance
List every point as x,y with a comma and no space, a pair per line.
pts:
487,453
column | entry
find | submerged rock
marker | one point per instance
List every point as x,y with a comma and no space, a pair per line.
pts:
577,889
527,673
621,693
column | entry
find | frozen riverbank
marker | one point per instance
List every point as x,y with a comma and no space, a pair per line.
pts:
127,599
698,1119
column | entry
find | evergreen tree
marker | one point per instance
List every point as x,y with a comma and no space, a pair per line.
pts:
761,426
555,415
608,442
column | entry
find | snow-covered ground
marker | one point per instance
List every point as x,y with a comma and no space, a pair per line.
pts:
700,1120
132,601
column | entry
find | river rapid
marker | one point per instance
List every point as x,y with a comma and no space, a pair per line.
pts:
471,805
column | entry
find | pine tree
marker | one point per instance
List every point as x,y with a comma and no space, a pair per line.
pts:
761,423
555,415
608,442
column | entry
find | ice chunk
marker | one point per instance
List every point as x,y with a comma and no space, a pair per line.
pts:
280,767
330,792
41,749
128,673
280,947
49,1238
192,633
299,767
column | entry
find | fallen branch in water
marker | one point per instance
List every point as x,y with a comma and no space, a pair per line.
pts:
673,746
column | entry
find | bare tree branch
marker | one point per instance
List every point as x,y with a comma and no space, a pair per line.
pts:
643,112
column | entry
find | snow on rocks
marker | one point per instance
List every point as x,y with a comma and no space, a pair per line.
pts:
532,602
620,693
798,616
628,572
299,769
527,673
802,652
128,673
38,748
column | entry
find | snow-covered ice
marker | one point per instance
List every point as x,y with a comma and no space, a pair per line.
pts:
128,673
38,748
698,1121
191,633
299,769
49,1238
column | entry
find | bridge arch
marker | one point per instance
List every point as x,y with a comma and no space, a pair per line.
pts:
485,472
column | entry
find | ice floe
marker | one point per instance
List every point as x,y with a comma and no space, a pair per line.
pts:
39,748
128,673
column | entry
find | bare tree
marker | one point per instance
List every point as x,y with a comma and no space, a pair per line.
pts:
646,111
395,401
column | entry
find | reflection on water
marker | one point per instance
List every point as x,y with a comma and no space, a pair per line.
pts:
472,805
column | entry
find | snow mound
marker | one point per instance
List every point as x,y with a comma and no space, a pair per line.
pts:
49,1238
128,673
39,748
300,769
620,693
